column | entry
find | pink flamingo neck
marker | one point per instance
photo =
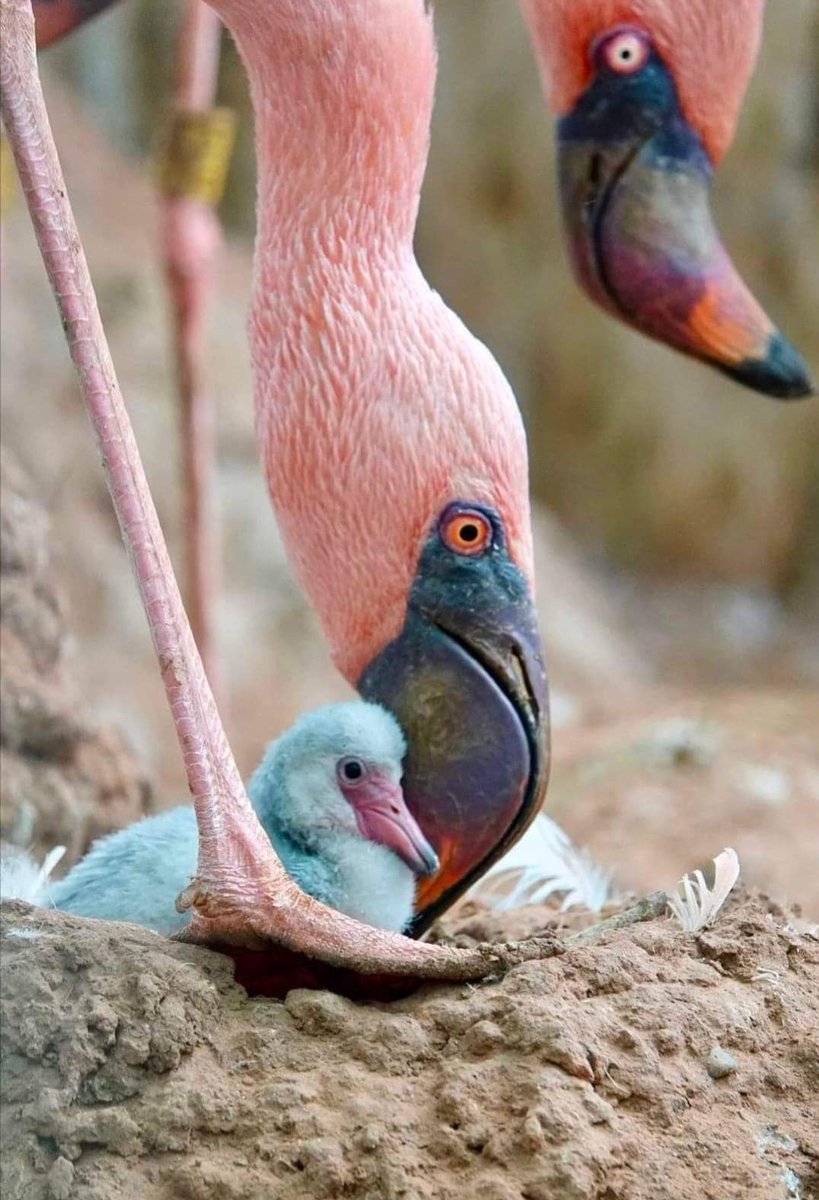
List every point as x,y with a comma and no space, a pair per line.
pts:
405,409
343,96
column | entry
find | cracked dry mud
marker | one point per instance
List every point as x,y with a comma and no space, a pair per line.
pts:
137,1068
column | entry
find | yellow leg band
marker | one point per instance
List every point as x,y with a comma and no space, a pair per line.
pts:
196,154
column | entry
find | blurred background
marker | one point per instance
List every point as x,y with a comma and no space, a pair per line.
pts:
677,516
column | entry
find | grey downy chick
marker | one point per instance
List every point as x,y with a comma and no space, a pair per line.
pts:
328,795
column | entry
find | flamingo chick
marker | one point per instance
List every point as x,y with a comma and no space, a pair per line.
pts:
328,795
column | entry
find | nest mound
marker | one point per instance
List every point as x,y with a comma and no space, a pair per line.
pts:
655,1065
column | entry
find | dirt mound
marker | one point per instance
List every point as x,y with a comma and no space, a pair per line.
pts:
64,781
655,1065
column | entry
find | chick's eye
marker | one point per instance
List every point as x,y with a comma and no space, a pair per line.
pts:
625,51
467,532
351,771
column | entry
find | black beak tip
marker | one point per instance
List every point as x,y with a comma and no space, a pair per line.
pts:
432,863
782,373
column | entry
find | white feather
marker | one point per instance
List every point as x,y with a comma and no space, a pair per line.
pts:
544,863
696,905
22,879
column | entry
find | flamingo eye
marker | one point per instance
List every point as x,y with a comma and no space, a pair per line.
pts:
467,531
625,51
351,771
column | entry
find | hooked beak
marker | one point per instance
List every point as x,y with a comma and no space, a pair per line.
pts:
635,183
468,687
382,816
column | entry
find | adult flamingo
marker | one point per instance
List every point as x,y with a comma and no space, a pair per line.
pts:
471,532
394,451
648,93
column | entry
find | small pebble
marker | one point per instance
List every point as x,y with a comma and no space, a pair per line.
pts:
720,1063
482,1038
368,1139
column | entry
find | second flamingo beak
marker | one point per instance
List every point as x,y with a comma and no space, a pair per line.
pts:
635,183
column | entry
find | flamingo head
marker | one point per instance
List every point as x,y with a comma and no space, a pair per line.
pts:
465,678
647,94
405,511
337,771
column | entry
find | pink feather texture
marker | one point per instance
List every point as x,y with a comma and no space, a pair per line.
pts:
374,405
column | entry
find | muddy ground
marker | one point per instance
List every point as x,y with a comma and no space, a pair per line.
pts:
655,1065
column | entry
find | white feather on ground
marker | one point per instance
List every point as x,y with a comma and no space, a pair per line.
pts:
545,863
22,879
694,904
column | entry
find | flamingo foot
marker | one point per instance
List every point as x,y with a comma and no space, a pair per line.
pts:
243,899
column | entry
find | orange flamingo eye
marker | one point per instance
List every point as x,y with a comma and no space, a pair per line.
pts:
625,51
467,531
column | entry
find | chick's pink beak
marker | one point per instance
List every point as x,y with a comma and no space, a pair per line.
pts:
383,817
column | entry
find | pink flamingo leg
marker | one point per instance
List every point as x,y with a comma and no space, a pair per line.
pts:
192,241
242,894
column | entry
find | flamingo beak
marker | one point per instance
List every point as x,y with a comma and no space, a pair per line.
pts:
465,679
635,182
382,816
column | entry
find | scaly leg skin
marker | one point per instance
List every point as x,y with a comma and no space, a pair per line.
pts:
242,894
191,243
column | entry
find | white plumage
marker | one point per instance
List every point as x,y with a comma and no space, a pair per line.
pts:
694,903
545,863
21,878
